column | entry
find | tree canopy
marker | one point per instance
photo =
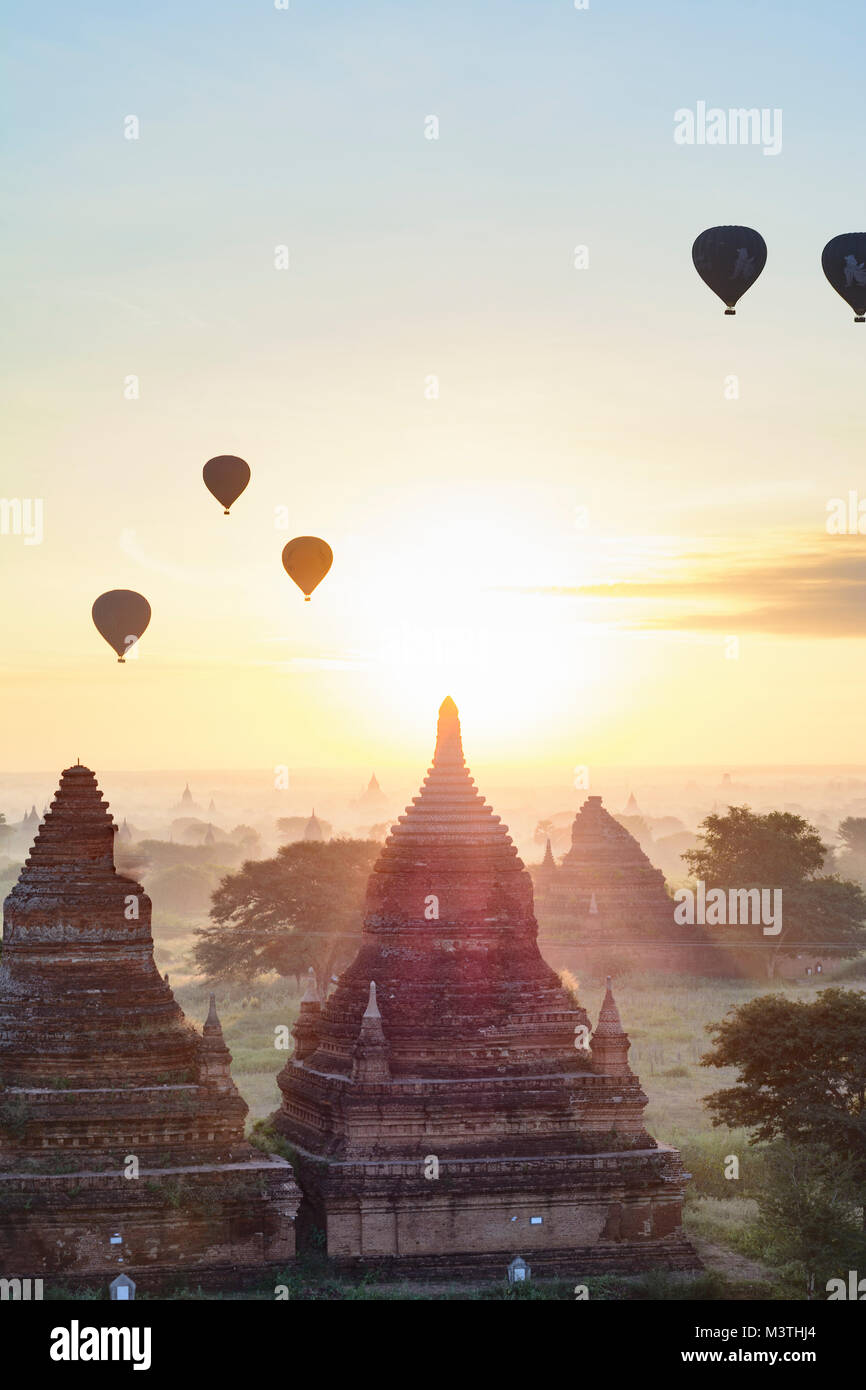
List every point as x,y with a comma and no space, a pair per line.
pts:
302,908
743,849
801,1071
851,857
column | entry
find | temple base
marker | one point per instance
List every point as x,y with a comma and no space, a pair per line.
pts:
617,1212
208,1223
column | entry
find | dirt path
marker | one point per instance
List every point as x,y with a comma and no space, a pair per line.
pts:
728,1262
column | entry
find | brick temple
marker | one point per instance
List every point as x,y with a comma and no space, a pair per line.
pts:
607,904
121,1131
445,1110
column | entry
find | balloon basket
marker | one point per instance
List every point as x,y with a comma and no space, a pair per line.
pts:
730,312
860,318
306,598
121,661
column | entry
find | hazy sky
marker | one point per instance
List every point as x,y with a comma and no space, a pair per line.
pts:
463,564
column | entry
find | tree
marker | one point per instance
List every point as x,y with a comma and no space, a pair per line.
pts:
801,1073
744,850
851,858
543,831
303,907
809,1208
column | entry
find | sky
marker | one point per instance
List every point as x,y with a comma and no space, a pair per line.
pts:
544,495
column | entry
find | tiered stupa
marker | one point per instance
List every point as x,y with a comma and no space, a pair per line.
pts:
446,1112
117,1118
606,860
606,902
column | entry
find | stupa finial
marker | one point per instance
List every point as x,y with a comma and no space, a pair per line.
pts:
609,1021
212,1022
370,1053
449,744
372,1009
610,1044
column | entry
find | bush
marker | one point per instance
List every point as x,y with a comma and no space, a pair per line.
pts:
706,1157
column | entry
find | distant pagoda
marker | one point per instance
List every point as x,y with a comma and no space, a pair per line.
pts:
372,797
117,1118
187,804
444,1109
313,828
606,901
605,860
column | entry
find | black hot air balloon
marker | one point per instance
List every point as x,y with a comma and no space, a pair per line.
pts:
226,477
121,616
729,260
307,560
844,262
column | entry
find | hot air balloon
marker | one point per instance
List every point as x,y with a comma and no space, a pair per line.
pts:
226,477
307,560
844,262
729,260
121,616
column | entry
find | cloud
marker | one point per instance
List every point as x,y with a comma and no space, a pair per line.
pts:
806,593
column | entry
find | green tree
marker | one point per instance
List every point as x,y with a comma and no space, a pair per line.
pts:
851,858
809,1213
744,850
303,907
801,1073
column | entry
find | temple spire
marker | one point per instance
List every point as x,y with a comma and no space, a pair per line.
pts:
449,744
306,1029
214,1057
370,1054
610,1042
609,1012
212,1023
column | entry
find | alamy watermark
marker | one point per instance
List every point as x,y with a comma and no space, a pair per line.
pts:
845,516
739,906
738,125
22,1290
22,516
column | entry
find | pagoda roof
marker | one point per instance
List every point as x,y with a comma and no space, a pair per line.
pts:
598,838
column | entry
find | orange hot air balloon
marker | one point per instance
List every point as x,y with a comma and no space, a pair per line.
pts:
121,616
226,477
307,560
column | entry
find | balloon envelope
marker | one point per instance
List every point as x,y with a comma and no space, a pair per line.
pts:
226,477
729,260
844,262
307,560
121,616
